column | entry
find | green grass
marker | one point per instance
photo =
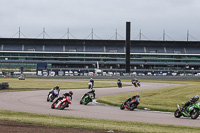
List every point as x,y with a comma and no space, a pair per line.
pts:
93,124
164,99
36,84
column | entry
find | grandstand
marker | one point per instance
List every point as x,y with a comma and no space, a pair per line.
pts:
83,54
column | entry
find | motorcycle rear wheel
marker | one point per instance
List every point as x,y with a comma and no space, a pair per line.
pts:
52,98
194,114
87,100
177,113
63,106
52,106
81,102
133,106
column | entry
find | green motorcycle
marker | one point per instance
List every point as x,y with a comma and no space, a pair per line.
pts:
192,111
88,97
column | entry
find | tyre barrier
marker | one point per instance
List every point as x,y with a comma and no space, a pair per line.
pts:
4,85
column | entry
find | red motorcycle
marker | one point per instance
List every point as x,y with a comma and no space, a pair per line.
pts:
130,104
61,103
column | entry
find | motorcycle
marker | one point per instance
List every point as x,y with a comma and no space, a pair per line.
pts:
88,97
52,96
119,83
90,85
130,105
61,103
136,84
192,111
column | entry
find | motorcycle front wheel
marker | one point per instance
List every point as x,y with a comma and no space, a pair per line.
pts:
87,100
47,99
177,113
194,114
122,107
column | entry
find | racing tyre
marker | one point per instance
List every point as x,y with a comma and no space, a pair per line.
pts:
81,102
47,99
52,98
87,101
52,106
133,106
177,113
89,87
64,105
122,107
194,114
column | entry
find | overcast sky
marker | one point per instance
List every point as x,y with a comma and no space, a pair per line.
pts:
152,17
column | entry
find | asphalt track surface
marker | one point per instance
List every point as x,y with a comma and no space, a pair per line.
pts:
35,102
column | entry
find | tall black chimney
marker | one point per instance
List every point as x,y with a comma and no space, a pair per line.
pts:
128,43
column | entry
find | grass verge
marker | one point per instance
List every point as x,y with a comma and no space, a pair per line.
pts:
164,99
92,124
42,84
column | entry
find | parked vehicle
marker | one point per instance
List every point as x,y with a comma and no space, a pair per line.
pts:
192,111
52,73
62,103
116,74
52,96
104,74
141,74
45,73
60,73
71,73
133,74
21,77
90,74
109,74
76,73
149,74
66,73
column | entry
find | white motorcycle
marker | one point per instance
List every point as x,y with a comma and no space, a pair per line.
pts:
52,96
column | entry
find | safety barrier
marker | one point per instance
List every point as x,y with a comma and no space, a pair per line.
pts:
4,85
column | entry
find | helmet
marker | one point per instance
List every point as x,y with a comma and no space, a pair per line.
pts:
71,93
118,78
93,90
57,86
138,95
196,97
91,78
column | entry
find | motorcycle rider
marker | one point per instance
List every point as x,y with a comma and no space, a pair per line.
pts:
68,94
92,81
92,91
119,80
136,97
65,95
119,83
190,102
134,81
55,88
